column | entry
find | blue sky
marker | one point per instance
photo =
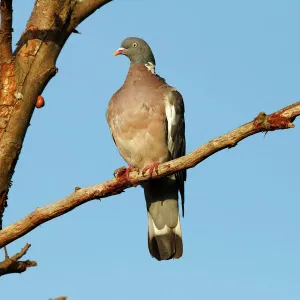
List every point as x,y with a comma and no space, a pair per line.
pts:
230,60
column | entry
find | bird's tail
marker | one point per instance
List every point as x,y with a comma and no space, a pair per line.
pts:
164,231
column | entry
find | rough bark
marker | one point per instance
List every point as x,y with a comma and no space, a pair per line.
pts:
6,30
7,88
281,119
25,73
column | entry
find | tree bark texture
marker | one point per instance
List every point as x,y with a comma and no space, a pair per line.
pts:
25,72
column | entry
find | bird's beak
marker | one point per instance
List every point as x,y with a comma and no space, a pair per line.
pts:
120,51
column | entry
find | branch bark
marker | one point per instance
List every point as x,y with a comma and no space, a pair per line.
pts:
6,30
13,264
32,65
8,87
84,9
281,119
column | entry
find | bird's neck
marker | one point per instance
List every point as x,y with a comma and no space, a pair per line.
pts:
150,66
142,74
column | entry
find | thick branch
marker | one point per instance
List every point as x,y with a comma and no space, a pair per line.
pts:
6,31
7,89
279,120
13,265
32,66
83,9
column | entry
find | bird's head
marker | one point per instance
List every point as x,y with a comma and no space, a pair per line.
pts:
137,50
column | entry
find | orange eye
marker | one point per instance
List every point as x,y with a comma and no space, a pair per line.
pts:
40,102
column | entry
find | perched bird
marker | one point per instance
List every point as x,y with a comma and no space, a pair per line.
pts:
146,119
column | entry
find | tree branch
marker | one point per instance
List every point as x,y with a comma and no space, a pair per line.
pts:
7,89
6,31
13,265
281,119
32,65
83,9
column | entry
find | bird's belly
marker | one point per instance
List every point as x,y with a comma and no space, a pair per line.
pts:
142,146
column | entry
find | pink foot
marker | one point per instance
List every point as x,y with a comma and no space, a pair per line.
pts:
125,171
130,169
119,172
151,168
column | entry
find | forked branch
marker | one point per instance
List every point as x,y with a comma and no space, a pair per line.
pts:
281,119
25,73
13,264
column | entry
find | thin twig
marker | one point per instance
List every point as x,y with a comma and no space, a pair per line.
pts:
19,255
6,253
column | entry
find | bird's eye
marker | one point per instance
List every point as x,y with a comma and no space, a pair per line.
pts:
134,45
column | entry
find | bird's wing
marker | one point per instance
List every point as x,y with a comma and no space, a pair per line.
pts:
176,134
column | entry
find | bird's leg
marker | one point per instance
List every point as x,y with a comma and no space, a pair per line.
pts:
125,171
151,168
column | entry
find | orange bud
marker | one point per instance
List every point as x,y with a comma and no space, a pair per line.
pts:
40,102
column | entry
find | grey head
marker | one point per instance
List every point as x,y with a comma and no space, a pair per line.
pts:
137,50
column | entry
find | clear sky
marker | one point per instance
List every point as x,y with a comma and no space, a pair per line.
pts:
230,60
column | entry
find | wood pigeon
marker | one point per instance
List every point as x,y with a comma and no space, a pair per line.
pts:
146,119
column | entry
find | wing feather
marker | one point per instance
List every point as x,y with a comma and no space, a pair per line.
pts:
176,134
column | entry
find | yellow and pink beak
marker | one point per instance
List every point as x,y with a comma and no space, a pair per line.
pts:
120,51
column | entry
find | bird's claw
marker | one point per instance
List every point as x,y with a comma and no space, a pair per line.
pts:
131,169
119,172
152,167
125,171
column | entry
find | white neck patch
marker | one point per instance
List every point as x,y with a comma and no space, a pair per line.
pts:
151,67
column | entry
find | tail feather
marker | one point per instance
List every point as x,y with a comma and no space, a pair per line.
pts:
164,230
166,243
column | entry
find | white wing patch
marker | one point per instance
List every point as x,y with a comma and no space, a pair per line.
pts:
171,118
151,67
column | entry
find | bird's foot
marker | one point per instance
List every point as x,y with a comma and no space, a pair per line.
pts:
131,169
123,171
152,167
119,172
